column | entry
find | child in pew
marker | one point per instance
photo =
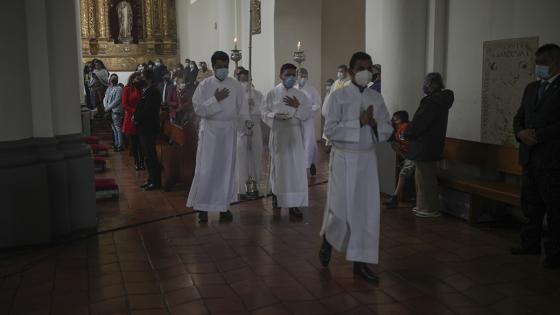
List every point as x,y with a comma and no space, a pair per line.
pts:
401,146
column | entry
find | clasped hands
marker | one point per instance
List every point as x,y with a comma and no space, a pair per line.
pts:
366,118
528,137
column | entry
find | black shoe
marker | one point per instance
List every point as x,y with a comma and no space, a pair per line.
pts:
362,270
146,184
313,170
226,216
202,217
520,250
551,263
392,202
296,213
152,187
325,252
275,202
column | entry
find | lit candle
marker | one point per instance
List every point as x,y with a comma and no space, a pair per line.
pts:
298,46
235,42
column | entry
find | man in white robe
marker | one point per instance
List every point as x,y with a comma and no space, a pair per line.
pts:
218,101
309,140
249,136
357,120
285,110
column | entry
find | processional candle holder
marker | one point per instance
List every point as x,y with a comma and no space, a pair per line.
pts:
251,185
236,54
299,55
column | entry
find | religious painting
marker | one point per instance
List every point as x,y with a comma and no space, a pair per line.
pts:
508,66
255,17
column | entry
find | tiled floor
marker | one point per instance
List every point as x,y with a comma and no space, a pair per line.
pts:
265,263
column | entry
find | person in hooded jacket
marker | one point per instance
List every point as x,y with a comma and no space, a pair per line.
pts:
426,133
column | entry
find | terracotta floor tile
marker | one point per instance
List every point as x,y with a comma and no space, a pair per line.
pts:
340,303
150,287
106,292
111,306
278,309
225,305
145,301
295,293
192,308
307,308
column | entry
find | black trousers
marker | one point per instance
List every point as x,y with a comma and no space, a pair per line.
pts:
148,144
540,195
136,149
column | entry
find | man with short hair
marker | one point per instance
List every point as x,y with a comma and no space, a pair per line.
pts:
356,122
218,101
285,111
203,73
376,84
309,140
537,128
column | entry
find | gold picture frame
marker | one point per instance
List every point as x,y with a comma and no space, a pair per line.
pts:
256,17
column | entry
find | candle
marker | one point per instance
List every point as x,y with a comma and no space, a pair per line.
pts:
235,42
298,46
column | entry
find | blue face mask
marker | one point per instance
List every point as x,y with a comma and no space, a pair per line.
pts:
289,82
542,72
222,73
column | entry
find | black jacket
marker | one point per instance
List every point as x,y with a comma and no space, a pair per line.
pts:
146,116
429,126
544,117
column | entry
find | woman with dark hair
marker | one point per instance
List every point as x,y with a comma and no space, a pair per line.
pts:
87,78
113,106
130,96
99,83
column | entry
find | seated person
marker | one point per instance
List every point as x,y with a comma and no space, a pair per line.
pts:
401,146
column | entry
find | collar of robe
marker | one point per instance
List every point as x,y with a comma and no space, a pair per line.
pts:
361,88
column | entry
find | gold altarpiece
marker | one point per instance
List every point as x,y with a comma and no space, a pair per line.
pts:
150,31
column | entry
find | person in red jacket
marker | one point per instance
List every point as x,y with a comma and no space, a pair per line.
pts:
130,96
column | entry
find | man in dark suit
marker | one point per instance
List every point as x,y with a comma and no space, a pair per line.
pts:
146,118
537,128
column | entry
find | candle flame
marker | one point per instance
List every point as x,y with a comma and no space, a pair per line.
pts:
235,40
298,45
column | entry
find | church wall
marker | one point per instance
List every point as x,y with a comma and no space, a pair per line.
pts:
475,21
197,29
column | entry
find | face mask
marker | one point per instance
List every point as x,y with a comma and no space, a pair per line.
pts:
157,64
182,86
542,72
289,82
222,73
328,88
302,82
340,75
363,78
245,85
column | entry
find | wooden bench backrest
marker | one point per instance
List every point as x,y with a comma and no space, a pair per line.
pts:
489,156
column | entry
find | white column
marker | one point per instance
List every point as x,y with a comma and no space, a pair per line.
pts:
15,107
226,24
437,36
396,36
64,71
39,77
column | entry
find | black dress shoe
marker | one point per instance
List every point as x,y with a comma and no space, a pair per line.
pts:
313,170
296,213
226,216
519,250
275,202
202,217
392,202
325,252
362,270
152,187
146,184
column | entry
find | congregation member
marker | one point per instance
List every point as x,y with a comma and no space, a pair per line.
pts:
98,84
341,81
249,136
376,84
285,111
537,128
191,73
356,122
130,96
218,101
401,146
309,139
426,134
179,103
328,86
113,106
160,71
146,118
204,73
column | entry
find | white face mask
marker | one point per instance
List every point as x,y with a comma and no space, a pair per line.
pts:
340,75
302,82
245,85
363,78
542,72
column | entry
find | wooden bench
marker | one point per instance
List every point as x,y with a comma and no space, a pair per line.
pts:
487,157
178,160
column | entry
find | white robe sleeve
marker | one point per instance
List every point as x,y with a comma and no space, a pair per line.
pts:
315,101
267,113
304,111
325,108
205,107
337,127
384,126
242,109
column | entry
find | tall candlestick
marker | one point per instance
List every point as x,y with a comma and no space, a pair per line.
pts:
235,42
298,46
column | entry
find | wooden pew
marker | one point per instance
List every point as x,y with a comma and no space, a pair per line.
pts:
488,157
178,160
